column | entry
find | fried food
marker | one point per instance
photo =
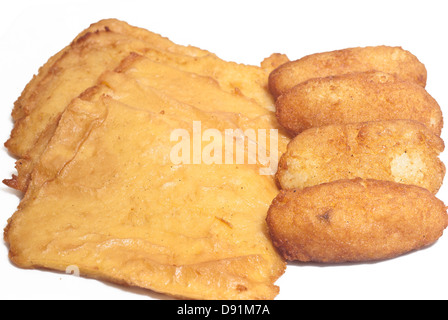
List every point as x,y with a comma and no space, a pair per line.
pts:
354,220
393,60
100,182
28,100
106,197
356,97
403,151
203,92
93,131
67,75
77,69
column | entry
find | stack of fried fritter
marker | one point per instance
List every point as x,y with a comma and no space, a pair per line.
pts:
93,135
359,179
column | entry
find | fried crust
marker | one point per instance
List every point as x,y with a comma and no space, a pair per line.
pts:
403,151
356,97
354,220
393,60
85,207
27,99
204,92
110,41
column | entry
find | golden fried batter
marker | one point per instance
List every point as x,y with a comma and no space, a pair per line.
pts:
101,190
393,60
28,100
403,151
77,68
356,97
203,92
71,73
106,197
354,220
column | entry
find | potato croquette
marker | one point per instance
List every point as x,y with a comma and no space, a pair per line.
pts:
393,60
354,220
356,97
403,151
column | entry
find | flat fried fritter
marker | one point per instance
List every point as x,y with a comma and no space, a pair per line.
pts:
354,220
78,66
356,97
393,60
202,92
403,151
28,100
106,197
94,52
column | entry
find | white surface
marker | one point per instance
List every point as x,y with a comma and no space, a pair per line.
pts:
246,32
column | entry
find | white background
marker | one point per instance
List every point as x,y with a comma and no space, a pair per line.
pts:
245,32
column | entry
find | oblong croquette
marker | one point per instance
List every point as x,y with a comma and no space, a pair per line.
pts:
354,220
393,60
403,151
356,97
